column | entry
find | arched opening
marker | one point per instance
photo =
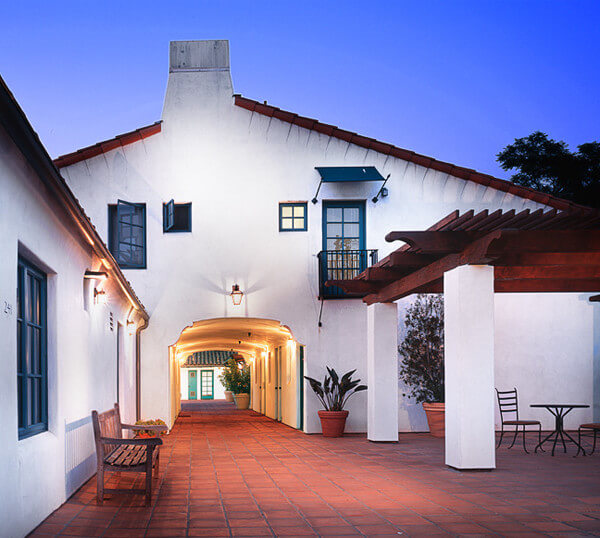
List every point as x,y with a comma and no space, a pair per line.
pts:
267,346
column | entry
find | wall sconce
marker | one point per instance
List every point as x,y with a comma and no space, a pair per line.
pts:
236,295
99,296
95,275
131,327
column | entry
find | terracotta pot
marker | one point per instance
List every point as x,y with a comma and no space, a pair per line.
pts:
436,418
228,396
333,422
242,401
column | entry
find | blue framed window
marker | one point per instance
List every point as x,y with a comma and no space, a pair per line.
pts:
177,217
32,368
293,217
127,234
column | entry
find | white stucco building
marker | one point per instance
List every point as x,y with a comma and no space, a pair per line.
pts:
221,192
67,335
237,167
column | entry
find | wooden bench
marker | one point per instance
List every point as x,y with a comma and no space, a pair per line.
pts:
114,453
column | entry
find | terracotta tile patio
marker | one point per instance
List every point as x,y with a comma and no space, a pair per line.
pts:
237,473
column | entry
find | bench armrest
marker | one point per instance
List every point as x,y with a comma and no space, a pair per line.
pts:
140,427
145,441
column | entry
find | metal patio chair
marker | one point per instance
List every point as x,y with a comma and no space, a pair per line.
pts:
508,403
594,427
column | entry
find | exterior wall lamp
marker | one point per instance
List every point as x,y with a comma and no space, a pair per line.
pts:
236,295
95,275
99,296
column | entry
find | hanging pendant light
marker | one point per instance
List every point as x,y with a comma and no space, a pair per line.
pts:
236,295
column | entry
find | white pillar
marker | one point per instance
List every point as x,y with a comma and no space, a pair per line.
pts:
382,372
469,367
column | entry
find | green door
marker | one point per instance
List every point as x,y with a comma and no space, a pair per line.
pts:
207,384
192,385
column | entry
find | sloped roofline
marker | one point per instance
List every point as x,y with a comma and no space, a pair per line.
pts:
407,155
312,124
16,124
106,145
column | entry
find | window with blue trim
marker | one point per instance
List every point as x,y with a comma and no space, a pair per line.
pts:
177,217
127,234
32,371
293,217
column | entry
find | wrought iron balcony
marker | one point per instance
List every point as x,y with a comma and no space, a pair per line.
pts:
342,265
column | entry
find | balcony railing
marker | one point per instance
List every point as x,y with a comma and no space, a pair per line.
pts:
342,265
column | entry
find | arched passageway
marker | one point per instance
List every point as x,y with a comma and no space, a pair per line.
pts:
267,346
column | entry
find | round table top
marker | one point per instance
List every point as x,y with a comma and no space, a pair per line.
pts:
578,406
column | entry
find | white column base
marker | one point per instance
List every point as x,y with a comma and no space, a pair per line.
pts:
469,367
382,372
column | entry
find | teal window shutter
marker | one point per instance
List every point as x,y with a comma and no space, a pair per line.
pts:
169,215
129,247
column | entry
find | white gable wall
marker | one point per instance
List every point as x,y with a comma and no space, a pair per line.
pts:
235,167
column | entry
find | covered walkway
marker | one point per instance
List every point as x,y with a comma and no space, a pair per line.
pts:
237,473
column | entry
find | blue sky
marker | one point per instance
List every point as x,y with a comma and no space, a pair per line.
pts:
453,80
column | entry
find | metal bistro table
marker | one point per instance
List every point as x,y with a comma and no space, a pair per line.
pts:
559,411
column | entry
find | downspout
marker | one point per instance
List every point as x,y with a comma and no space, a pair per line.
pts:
138,374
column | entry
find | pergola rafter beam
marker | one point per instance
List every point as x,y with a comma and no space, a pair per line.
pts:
531,252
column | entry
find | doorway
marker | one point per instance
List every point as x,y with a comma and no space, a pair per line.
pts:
207,385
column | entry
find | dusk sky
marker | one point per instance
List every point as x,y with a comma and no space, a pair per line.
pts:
454,80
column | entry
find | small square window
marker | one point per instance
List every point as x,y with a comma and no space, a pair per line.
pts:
293,217
177,217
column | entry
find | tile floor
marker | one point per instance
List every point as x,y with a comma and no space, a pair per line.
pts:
237,473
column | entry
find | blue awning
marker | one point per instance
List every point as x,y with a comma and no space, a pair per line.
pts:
345,174
336,174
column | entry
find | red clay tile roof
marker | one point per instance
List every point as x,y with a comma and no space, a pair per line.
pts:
404,154
107,145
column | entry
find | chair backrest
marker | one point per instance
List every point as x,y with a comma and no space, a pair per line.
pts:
107,424
508,402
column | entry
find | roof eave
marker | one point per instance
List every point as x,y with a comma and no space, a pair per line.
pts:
16,124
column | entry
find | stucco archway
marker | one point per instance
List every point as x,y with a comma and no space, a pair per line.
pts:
268,346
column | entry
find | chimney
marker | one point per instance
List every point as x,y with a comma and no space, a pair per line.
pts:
199,79
199,56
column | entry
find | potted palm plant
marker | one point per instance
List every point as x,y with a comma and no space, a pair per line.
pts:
422,352
333,394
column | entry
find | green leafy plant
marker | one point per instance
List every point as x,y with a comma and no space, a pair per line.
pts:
335,391
422,350
234,378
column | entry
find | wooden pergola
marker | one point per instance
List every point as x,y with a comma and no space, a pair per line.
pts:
552,251
469,258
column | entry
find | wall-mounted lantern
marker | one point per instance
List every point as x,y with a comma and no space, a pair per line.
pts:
95,275
236,295
99,296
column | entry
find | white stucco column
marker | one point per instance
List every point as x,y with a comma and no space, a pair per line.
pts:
469,367
382,372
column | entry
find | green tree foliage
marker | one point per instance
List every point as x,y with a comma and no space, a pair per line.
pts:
422,351
549,166
236,378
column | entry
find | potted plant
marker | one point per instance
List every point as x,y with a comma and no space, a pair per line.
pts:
333,393
422,351
237,377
